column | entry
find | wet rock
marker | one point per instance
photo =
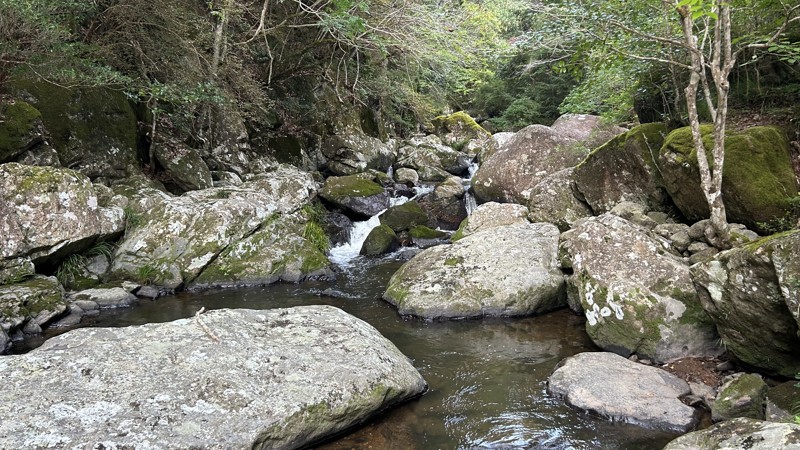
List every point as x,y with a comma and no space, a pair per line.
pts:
782,401
404,217
38,300
622,390
47,213
380,240
637,295
742,395
424,237
492,215
105,298
445,205
741,433
758,175
553,200
503,271
407,176
357,195
337,226
173,239
150,292
283,378
624,169
752,293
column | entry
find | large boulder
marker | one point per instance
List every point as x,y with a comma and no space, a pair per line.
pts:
183,165
743,395
458,128
171,240
283,378
21,129
527,158
491,215
92,129
351,151
502,271
553,200
752,294
48,212
424,153
592,131
741,433
380,240
404,217
758,177
32,303
282,249
622,390
637,295
624,169
356,195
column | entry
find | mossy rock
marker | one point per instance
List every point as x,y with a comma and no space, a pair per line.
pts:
458,128
92,129
404,217
423,232
380,240
743,396
624,169
38,298
20,129
355,193
758,178
783,402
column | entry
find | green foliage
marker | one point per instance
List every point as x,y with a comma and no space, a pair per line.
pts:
148,274
71,268
132,218
315,234
789,221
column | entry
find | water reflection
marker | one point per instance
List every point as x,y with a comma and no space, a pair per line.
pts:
487,377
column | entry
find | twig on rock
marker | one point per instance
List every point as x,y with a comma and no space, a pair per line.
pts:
204,327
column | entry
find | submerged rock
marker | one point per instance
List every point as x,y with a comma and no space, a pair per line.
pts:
741,433
637,295
282,378
753,294
622,390
503,271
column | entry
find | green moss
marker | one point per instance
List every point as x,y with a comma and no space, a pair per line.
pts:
315,234
30,297
349,186
453,261
380,240
423,232
456,120
17,125
404,217
396,293
459,234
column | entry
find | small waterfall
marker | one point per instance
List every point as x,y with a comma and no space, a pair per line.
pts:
469,200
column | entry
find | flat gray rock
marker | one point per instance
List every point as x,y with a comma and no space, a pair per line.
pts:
622,390
282,378
741,433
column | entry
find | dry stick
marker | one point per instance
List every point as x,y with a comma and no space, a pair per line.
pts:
204,327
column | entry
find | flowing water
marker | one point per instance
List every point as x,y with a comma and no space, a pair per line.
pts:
487,377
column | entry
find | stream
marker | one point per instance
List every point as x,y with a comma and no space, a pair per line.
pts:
487,377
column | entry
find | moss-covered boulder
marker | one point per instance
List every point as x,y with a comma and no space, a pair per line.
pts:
92,129
282,249
503,271
380,241
491,215
553,200
445,205
37,300
741,396
183,165
637,295
752,294
424,153
758,178
356,195
174,239
782,401
741,433
47,213
21,129
458,128
624,169
404,217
